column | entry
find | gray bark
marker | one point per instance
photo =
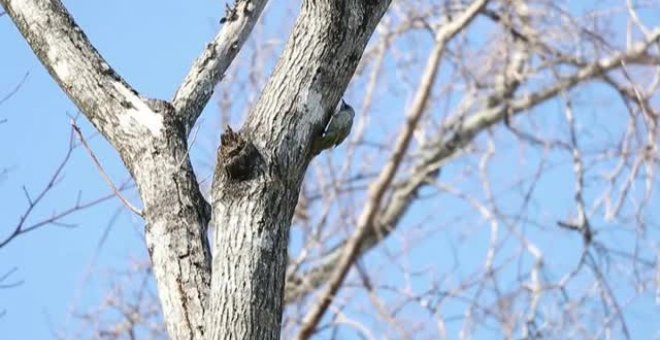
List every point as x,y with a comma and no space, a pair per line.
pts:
253,215
152,145
260,168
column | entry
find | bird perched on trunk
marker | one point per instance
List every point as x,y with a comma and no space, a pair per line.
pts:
337,130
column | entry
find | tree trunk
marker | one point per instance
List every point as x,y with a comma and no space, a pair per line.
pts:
253,214
260,168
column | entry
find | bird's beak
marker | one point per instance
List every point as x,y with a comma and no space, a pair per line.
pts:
343,104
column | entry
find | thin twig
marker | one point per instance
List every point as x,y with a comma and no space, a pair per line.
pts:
6,276
33,202
105,176
16,88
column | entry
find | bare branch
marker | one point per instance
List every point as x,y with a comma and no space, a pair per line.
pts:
105,176
15,89
444,148
5,276
502,76
108,101
379,187
22,227
210,67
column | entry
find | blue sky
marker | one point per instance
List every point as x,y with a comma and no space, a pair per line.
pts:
152,45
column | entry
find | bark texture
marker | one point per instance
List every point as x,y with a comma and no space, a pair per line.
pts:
152,143
253,215
260,169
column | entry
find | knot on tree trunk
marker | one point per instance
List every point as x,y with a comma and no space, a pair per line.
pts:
239,157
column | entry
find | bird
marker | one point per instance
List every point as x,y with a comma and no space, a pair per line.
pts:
337,129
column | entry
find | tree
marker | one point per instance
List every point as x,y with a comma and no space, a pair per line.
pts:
240,290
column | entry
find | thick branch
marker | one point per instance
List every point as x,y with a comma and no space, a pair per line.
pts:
176,216
210,67
105,99
152,145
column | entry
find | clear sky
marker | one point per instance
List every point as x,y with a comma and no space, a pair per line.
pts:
152,45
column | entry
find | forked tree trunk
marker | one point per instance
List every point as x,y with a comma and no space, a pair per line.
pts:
260,167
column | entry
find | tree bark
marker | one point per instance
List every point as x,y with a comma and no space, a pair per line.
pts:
253,214
152,144
260,168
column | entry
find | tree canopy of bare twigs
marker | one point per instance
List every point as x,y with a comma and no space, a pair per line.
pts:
499,180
